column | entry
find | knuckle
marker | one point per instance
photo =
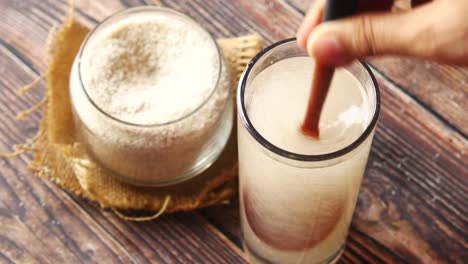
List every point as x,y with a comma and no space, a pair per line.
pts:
366,38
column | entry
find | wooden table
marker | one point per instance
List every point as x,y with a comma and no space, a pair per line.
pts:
413,202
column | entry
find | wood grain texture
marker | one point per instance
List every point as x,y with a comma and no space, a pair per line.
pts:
441,88
412,207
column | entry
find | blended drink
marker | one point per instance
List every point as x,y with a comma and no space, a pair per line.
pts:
298,193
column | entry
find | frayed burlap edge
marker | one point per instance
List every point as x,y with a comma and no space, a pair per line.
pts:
61,158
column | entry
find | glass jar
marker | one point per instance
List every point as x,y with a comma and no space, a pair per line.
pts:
297,208
155,154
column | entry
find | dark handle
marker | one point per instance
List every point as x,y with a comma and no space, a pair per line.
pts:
335,9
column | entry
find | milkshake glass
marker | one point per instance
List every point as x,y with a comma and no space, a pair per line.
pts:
298,194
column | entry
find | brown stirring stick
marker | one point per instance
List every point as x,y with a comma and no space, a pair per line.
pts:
323,75
322,78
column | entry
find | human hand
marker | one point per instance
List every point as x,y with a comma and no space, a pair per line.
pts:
435,31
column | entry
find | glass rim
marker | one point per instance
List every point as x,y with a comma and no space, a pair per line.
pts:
151,9
242,112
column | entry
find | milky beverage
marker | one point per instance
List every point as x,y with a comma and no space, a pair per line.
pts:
299,212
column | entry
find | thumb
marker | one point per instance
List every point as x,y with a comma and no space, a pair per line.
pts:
339,42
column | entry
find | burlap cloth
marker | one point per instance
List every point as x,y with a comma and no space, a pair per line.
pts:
61,158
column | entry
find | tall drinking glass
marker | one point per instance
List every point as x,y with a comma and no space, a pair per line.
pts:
298,194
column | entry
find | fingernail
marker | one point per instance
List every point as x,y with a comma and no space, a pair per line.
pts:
327,50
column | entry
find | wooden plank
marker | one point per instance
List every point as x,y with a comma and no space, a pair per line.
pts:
184,236
24,33
227,218
442,88
42,223
36,220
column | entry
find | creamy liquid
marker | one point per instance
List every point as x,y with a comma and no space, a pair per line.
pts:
279,101
292,214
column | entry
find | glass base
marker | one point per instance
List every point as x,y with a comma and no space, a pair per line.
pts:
255,258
